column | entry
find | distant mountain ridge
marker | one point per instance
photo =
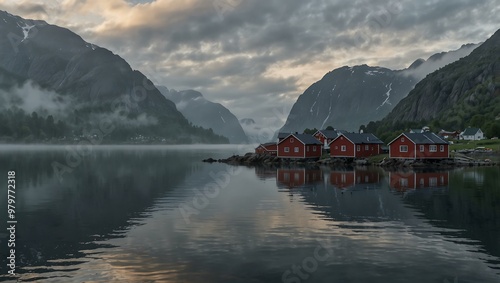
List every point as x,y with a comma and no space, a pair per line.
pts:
93,78
209,115
460,94
348,97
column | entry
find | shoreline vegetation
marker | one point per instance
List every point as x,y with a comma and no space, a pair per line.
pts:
383,160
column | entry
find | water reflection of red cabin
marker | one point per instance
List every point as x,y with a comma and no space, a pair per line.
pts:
346,179
298,177
412,180
264,173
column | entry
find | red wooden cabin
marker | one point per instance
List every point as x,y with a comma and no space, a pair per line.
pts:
419,146
352,145
299,146
325,137
267,148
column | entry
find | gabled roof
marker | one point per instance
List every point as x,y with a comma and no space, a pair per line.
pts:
304,138
307,139
470,131
283,135
329,134
266,145
361,138
423,138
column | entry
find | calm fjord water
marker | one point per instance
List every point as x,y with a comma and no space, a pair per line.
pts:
146,214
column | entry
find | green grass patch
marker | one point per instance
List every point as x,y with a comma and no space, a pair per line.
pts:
493,144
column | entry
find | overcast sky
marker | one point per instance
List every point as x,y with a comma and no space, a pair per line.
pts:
257,56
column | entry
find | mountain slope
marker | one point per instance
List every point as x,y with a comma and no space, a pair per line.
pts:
93,78
454,94
206,114
351,96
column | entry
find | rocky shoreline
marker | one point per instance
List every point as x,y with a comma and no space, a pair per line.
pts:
264,159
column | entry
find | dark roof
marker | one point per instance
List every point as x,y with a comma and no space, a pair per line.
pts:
283,135
426,138
307,139
329,134
470,131
265,145
362,138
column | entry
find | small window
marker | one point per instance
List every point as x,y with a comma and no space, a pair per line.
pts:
367,147
292,140
287,149
336,147
296,149
402,139
433,182
286,176
314,148
343,148
422,148
433,148
441,148
403,148
403,182
359,148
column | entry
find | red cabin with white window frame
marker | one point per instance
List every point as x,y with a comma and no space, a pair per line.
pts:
353,145
299,146
425,145
268,149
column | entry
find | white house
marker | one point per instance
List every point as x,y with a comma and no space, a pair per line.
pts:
472,134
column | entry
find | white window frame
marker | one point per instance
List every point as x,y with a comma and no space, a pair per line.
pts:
433,148
422,148
314,148
401,147
441,148
296,149
367,147
358,148
287,149
343,148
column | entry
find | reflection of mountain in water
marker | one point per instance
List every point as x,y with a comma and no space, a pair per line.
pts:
472,206
99,200
465,203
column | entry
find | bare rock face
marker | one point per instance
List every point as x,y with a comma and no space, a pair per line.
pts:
349,97
207,114
457,91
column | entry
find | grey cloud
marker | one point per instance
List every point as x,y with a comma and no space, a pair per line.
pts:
258,35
